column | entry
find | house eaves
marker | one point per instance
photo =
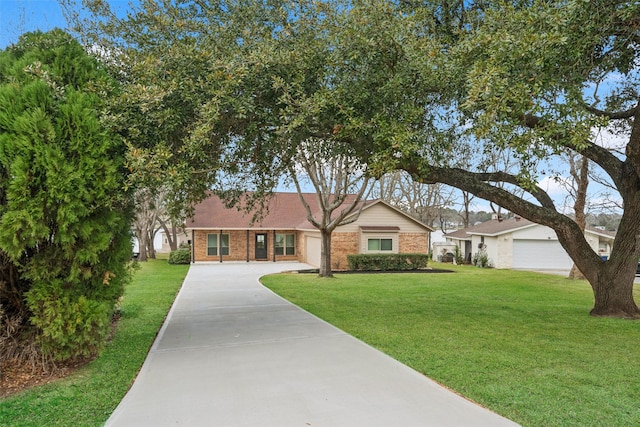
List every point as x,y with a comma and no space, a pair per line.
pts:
458,235
500,232
610,235
492,228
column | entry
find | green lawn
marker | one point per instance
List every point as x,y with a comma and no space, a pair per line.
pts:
89,396
519,343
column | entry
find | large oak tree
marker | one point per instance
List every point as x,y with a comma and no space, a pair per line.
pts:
538,78
409,85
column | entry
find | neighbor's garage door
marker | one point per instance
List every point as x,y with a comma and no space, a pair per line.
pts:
312,248
540,254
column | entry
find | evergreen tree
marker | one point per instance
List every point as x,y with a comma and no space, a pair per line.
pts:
64,217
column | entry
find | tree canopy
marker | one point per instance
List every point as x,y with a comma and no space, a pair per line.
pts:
437,89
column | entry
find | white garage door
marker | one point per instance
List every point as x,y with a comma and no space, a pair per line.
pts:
312,249
540,254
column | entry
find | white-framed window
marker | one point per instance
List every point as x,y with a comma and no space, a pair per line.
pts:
285,244
375,244
217,244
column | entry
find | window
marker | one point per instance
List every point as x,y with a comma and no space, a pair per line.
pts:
224,244
380,244
285,244
212,244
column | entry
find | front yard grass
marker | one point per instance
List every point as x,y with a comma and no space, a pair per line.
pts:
520,343
89,396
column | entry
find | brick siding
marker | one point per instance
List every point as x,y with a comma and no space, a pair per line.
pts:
238,246
343,244
413,243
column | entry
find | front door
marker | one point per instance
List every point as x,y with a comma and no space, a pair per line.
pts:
261,246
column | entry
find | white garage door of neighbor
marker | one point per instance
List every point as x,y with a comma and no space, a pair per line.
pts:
540,254
312,247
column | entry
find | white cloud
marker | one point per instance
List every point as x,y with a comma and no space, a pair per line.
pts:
555,185
610,139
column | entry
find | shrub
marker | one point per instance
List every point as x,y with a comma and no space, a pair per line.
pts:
481,259
387,262
65,216
180,256
458,255
72,325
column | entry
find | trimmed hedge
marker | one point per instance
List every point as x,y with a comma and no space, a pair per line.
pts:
387,262
181,256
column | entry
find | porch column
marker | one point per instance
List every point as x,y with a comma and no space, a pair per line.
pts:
248,243
274,245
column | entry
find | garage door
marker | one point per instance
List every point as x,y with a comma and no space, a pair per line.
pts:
540,254
312,249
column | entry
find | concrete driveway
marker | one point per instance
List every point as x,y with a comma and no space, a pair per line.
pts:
232,353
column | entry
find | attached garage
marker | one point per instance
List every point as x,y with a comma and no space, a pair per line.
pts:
540,254
312,250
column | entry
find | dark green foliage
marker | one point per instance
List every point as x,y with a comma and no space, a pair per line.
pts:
387,262
180,256
64,219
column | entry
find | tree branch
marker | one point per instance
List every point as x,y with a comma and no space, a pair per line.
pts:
600,155
480,185
567,230
618,115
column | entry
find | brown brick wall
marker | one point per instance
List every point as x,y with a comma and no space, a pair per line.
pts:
300,250
343,244
413,243
238,246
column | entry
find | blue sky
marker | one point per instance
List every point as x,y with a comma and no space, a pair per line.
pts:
20,16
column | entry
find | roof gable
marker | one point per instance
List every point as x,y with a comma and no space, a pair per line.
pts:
382,203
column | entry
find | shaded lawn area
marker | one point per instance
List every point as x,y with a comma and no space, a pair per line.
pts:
520,343
89,396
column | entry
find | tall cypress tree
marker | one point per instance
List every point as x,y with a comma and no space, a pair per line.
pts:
64,216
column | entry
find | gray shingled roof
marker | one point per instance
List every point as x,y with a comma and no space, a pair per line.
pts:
497,227
491,228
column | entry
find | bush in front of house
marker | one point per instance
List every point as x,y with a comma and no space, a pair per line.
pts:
180,256
481,259
387,262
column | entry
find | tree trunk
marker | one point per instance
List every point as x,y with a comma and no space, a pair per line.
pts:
612,280
142,244
142,254
151,251
325,254
575,273
581,177
613,292
171,235
173,241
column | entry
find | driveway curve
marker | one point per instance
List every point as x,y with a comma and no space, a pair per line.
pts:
232,353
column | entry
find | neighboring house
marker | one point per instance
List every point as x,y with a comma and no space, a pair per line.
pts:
521,244
182,237
284,233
